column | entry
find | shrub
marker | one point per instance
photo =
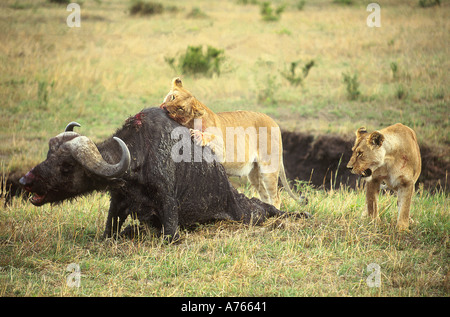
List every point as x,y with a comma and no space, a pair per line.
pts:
300,4
145,8
196,13
266,95
60,1
346,2
269,14
195,61
294,78
401,92
429,3
352,86
394,68
43,92
245,2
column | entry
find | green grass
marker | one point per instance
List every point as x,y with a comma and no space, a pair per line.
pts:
114,65
323,256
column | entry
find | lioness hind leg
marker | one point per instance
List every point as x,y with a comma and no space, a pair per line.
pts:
256,181
404,206
270,181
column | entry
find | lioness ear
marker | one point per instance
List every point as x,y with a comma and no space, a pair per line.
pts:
361,131
176,82
375,139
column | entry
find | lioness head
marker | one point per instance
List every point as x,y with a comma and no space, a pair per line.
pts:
181,105
368,153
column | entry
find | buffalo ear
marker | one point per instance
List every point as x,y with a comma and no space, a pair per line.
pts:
360,132
176,82
375,139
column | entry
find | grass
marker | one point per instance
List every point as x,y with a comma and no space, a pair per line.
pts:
114,65
324,256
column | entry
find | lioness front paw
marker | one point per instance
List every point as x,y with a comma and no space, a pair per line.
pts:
197,136
201,138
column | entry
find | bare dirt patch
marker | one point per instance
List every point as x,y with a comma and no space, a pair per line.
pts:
322,160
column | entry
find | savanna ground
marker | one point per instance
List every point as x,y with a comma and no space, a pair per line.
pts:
115,64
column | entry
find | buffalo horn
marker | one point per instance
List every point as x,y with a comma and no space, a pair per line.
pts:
70,126
87,154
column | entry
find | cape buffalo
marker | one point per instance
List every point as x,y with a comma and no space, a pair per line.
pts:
136,166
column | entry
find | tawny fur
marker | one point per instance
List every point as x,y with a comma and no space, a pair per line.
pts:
242,156
392,156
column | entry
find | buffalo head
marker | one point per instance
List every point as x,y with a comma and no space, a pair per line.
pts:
74,166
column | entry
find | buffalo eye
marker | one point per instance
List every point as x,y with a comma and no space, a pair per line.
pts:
66,168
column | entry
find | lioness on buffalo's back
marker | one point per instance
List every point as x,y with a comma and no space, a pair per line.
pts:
247,143
392,156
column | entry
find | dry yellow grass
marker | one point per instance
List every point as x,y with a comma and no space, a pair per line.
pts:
324,256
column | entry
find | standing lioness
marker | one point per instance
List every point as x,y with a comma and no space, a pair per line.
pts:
246,143
392,156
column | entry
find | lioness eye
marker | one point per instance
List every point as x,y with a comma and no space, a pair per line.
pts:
172,98
359,154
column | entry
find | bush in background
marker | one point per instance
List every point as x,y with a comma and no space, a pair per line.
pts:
429,3
196,61
297,79
270,14
145,8
345,2
352,85
59,1
196,13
